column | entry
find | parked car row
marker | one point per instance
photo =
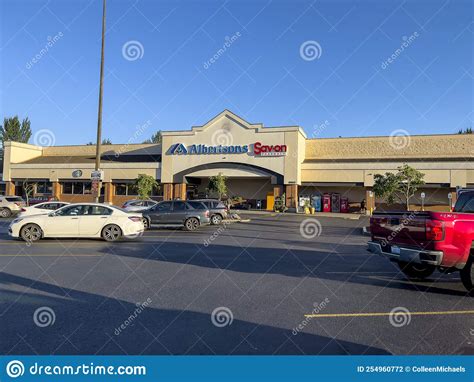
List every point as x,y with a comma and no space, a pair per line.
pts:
111,223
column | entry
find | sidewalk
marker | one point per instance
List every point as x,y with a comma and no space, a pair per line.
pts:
316,214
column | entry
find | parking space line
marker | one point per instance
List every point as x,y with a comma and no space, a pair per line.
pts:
338,315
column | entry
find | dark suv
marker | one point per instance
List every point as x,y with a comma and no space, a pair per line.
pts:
189,215
217,209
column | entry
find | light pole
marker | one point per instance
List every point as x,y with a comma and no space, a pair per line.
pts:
99,117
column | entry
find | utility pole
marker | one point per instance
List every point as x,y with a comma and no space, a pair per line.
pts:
99,118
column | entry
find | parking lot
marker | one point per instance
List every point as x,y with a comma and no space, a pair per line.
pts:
240,288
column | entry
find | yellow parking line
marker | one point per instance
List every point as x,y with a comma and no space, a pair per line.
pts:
336,315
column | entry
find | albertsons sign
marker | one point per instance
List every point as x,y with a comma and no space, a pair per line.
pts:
256,149
180,149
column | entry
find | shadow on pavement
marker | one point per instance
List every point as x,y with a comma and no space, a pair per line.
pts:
86,323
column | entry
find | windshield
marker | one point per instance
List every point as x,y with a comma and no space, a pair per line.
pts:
465,203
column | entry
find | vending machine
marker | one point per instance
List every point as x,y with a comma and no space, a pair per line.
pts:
335,202
344,205
327,203
317,203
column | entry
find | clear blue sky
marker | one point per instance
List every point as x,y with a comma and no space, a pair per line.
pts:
261,76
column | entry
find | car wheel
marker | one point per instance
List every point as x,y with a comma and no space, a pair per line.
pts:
216,219
191,224
467,275
5,213
31,233
111,232
146,223
416,271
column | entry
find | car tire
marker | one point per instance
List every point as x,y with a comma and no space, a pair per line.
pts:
31,233
467,275
216,219
111,232
5,213
416,271
191,224
146,223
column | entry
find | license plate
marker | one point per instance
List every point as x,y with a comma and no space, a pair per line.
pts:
394,249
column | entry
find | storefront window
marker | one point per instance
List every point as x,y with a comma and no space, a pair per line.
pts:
78,188
126,189
44,188
120,189
87,188
132,189
67,188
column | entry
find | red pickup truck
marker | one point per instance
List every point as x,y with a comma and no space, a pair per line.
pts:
424,241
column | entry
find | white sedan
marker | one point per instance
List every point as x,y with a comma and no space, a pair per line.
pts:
84,220
41,208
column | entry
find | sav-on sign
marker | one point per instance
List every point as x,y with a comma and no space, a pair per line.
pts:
257,149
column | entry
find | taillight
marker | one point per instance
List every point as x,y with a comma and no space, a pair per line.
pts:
135,219
434,230
23,210
124,206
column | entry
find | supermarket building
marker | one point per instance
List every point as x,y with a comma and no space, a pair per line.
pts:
260,163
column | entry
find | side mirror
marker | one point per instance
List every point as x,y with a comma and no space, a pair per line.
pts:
51,214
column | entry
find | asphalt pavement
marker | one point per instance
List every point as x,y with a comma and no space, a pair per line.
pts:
283,284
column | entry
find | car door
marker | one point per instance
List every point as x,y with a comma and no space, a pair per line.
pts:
63,222
93,219
178,214
160,213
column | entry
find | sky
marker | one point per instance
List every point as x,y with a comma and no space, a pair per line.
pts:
335,68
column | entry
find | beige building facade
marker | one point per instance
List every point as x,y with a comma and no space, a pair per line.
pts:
260,163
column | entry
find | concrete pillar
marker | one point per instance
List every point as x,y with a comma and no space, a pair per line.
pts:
9,188
56,190
277,191
180,191
454,198
167,191
291,191
369,201
108,192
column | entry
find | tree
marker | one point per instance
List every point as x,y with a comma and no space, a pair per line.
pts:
29,189
466,131
218,185
155,138
400,186
13,130
106,141
145,185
